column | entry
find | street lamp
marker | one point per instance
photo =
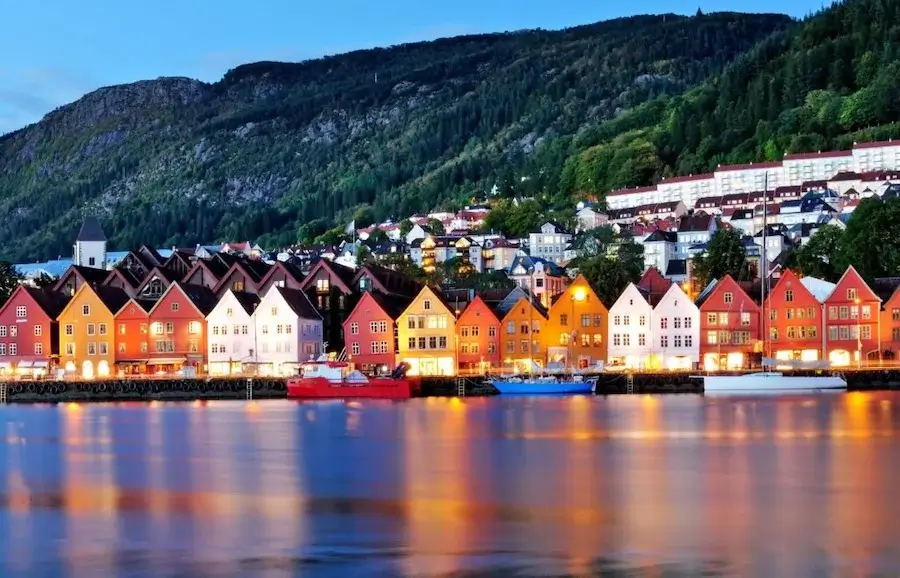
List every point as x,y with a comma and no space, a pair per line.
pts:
858,335
578,295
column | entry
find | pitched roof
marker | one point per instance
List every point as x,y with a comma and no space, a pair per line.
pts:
390,281
112,297
90,230
202,298
299,303
694,223
248,301
52,302
393,305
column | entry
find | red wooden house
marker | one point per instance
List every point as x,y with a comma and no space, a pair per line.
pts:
654,285
133,336
729,327
478,332
793,321
890,326
178,328
371,333
29,333
852,321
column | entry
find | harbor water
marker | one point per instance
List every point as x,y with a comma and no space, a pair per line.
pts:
507,486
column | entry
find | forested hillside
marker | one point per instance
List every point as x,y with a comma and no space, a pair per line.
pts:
274,146
833,81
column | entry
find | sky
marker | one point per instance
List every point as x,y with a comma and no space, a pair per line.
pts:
54,51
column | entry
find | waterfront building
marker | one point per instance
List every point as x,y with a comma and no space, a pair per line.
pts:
676,331
371,332
329,287
87,338
281,274
90,245
426,335
287,331
540,277
729,326
521,335
132,323
792,318
178,328
577,327
76,276
230,333
478,331
852,318
29,333
630,333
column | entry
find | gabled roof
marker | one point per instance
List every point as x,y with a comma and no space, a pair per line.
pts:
299,303
247,301
89,275
51,302
339,274
125,274
202,298
112,297
676,267
287,267
388,280
90,231
157,272
852,277
654,283
697,222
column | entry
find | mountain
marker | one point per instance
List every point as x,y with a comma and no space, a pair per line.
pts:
833,80
275,146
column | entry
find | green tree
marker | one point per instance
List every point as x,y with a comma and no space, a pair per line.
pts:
44,280
819,256
9,280
363,254
609,261
405,227
724,255
437,227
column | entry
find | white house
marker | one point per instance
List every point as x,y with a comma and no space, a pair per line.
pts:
230,333
416,232
676,331
630,330
288,331
90,245
589,216
550,242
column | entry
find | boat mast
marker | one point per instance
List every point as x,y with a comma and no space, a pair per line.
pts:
764,277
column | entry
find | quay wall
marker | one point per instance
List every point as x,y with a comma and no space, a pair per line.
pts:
221,388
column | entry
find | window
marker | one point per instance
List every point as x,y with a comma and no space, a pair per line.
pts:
585,320
323,285
626,320
143,329
442,342
13,349
617,339
38,348
373,327
102,328
712,337
789,313
85,310
843,312
474,330
791,332
866,311
895,314
92,348
664,341
492,331
510,328
563,338
194,328
170,327
229,312
354,348
412,343
773,333
91,329
175,306
121,329
70,330
279,329
122,347
711,318
832,333
664,323
865,332
729,297
492,347
426,304
745,319
773,314
21,312
157,328
678,323
688,322
2,349
617,320
642,339
411,322
510,346
598,321
789,295
144,347
832,312
215,330
851,294
104,348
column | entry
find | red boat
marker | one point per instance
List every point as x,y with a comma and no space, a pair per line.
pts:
334,379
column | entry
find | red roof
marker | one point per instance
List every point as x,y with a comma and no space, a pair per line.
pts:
631,191
727,168
817,155
876,144
701,177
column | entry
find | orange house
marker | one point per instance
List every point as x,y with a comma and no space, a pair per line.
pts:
792,321
852,319
522,325
178,328
729,327
133,336
577,324
478,332
86,331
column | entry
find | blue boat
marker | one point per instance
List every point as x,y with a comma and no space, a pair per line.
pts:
547,385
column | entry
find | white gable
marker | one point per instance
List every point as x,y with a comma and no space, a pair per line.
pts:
630,327
676,329
228,304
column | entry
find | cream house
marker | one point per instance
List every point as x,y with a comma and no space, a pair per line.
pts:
426,333
230,342
287,331
676,331
630,336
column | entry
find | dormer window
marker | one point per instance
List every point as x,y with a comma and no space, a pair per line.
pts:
323,285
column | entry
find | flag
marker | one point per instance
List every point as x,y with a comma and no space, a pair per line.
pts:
351,227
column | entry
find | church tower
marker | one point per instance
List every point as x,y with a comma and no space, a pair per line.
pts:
90,245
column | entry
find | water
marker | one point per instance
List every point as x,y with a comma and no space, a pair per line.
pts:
620,486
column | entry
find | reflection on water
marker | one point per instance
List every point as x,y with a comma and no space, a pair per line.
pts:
629,485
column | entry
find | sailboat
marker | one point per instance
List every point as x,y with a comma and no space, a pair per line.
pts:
767,381
542,383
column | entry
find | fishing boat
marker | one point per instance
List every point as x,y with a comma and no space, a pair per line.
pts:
768,381
323,379
545,385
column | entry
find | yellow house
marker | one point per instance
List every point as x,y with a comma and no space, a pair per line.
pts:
87,345
521,330
578,327
426,335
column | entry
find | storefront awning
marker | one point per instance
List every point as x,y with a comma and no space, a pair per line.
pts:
40,364
24,365
166,361
132,361
4,365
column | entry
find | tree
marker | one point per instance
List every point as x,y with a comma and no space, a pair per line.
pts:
871,241
724,255
363,254
437,227
9,280
405,227
819,256
44,280
609,261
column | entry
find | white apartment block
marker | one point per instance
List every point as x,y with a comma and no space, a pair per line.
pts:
876,156
550,243
800,168
687,189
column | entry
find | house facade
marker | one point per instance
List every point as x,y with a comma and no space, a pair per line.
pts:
87,336
230,329
792,322
288,331
852,321
329,287
550,242
577,327
729,327
132,324
478,331
426,335
178,329
522,335
371,332
29,333
630,332
676,329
